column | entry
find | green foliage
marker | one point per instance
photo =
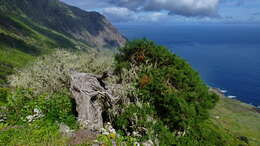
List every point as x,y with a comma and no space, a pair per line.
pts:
173,90
9,60
164,100
41,132
3,95
109,140
43,87
31,120
134,117
57,107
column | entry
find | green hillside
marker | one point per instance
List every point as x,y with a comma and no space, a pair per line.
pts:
237,118
21,40
30,28
91,28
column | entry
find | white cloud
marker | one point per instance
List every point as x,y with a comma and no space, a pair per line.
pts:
118,14
121,14
171,10
178,7
156,16
189,8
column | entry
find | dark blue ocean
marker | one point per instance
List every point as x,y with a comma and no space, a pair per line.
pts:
227,56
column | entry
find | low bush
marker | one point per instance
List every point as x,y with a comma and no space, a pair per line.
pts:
51,73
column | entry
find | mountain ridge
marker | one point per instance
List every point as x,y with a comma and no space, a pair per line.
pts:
89,27
30,28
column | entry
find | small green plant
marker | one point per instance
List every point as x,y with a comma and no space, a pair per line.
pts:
31,120
110,140
23,108
41,132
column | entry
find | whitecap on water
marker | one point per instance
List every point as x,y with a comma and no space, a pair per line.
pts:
230,96
223,91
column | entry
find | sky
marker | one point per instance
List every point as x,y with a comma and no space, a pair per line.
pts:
174,11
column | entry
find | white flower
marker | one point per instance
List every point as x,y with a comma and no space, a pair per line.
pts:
83,124
2,118
109,127
136,134
37,114
30,118
102,130
112,131
37,111
136,144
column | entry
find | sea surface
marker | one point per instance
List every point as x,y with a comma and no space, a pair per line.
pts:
226,56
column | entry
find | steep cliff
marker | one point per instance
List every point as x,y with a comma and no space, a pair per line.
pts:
29,28
89,27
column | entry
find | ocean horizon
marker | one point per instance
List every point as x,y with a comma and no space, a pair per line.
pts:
226,56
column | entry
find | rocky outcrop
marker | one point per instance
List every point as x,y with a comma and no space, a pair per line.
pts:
92,97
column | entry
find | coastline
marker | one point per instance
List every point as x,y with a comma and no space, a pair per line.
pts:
220,93
190,44
236,117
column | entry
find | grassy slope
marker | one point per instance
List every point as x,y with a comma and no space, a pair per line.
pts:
237,118
22,40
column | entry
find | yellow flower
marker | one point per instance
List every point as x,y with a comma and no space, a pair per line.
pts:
112,135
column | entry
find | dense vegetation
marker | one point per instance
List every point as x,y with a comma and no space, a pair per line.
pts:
162,99
168,91
168,83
